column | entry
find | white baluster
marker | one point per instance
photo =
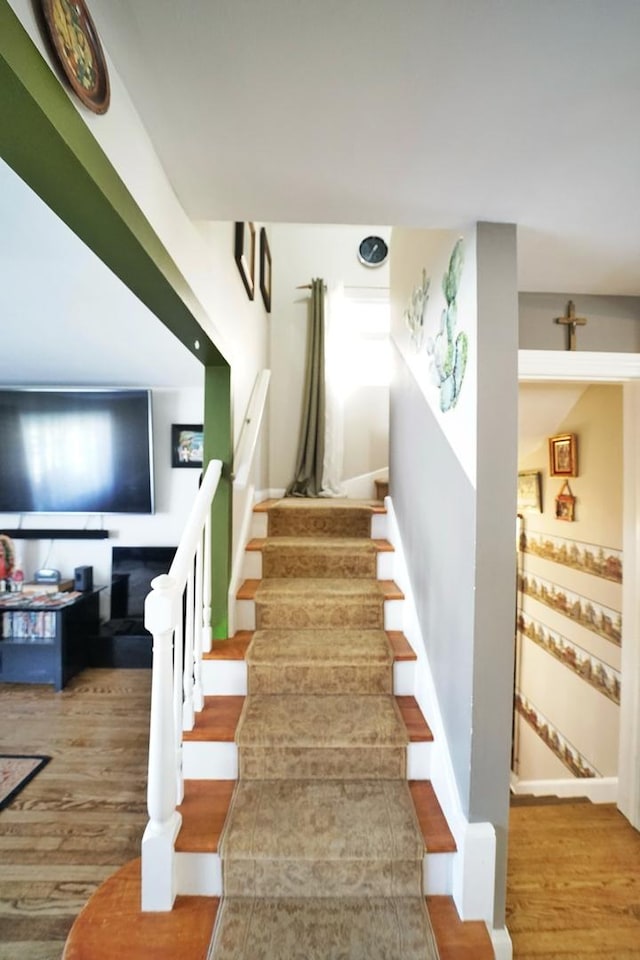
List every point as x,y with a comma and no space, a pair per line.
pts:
189,689
206,588
198,697
178,681
158,874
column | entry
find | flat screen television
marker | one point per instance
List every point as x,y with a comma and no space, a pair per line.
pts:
76,451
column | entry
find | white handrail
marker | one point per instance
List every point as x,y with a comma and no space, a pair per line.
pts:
245,451
178,606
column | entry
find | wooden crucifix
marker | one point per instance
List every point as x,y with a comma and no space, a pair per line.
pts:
571,322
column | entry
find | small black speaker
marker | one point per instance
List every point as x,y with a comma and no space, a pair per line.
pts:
83,579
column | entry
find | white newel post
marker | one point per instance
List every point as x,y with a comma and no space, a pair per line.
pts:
162,608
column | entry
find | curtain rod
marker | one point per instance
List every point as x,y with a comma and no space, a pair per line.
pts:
308,286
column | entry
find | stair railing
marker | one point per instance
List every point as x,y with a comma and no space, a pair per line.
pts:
178,614
250,430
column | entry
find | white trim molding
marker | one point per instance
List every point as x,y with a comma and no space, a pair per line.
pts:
596,789
576,365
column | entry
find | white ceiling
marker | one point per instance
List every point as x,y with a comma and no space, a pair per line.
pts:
67,320
412,112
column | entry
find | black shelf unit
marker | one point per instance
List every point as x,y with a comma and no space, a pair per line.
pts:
59,655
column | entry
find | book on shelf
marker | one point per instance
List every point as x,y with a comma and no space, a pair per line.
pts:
32,589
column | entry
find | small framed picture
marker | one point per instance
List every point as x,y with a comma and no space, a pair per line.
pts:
245,255
566,504
187,444
563,455
529,491
265,270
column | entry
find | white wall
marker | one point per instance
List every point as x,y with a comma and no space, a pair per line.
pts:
302,252
175,489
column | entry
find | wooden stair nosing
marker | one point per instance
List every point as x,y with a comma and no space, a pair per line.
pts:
265,505
257,544
388,588
218,720
235,648
433,824
458,939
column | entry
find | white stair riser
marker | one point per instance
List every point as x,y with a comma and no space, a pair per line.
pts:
252,565
222,678
200,874
437,873
217,760
209,760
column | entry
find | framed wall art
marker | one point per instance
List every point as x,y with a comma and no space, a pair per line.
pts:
563,455
77,48
187,444
529,491
566,504
245,255
265,269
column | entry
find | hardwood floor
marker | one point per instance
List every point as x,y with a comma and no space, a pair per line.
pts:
573,883
574,870
83,816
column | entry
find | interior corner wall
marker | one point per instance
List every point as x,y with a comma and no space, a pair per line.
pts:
455,502
302,252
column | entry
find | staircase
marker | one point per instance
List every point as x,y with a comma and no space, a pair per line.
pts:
332,837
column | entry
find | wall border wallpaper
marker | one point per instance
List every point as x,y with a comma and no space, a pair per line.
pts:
604,621
551,736
594,671
605,562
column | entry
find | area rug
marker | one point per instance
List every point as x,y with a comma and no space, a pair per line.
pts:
15,773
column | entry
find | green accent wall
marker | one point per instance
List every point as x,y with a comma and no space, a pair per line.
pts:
218,446
47,143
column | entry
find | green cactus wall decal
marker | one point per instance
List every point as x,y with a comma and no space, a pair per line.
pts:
448,352
416,312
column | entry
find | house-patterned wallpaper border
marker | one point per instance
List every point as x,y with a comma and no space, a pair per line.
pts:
605,562
559,745
596,672
604,621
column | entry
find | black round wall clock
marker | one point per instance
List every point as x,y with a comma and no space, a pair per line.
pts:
373,251
77,47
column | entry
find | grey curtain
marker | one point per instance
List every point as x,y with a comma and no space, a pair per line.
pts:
307,481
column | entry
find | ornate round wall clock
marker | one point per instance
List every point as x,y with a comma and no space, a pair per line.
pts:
78,49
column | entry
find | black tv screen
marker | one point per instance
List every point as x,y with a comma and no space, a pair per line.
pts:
75,451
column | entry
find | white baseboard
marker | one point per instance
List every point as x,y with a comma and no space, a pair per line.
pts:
473,866
597,789
362,487
502,946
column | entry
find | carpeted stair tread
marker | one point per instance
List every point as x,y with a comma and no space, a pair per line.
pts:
319,557
359,737
317,602
319,518
320,661
321,721
322,839
310,929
